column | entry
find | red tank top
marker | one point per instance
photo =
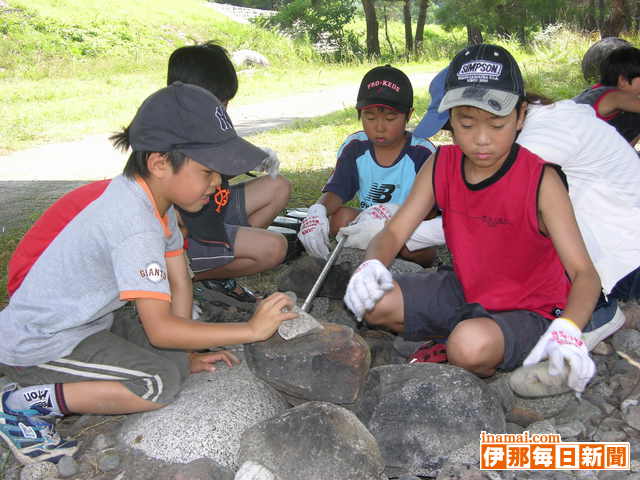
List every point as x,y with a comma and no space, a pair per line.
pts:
500,256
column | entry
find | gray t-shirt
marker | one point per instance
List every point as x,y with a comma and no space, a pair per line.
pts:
94,249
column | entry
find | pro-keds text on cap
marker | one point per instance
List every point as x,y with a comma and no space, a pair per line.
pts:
189,119
483,76
386,86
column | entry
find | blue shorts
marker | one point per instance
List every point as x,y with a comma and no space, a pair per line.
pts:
207,256
434,304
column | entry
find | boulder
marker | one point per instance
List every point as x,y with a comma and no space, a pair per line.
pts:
207,419
316,440
249,58
330,365
596,53
423,413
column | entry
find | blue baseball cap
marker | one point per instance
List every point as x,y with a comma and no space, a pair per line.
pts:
434,120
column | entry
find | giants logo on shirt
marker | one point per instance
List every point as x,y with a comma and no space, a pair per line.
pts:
154,273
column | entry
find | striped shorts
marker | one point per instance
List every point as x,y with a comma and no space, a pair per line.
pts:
122,354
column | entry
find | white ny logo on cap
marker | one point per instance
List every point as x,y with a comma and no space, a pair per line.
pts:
223,118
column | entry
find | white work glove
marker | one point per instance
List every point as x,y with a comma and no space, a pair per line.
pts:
428,234
562,341
367,285
314,231
367,224
271,164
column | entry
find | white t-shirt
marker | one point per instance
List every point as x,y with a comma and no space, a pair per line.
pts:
603,172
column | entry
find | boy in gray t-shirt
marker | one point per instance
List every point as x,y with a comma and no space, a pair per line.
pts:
107,243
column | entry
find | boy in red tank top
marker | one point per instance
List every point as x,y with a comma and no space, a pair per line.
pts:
523,285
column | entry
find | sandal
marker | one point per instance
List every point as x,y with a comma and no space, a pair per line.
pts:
231,288
430,352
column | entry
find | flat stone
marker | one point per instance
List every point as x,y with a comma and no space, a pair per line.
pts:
316,440
330,365
207,419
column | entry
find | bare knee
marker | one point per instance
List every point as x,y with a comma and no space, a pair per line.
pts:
281,191
474,348
274,249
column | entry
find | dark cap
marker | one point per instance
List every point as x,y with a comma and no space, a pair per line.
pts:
386,87
483,76
189,119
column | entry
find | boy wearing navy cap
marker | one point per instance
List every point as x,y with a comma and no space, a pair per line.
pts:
87,256
523,285
379,163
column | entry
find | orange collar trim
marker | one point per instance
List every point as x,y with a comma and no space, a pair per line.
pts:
164,221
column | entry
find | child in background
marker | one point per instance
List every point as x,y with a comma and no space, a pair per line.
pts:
616,99
228,237
87,256
379,164
523,285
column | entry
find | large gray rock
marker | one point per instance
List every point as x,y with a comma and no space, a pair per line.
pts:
207,419
314,441
421,413
627,340
596,53
330,365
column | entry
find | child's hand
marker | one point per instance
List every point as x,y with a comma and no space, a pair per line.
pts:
203,362
314,232
367,285
270,313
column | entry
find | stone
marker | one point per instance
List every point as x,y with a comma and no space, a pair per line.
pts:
254,471
499,383
305,324
534,409
329,366
544,426
202,469
381,347
316,440
454,471
207,419
596,53
102,442
570,429
301,275
627,340
249,58
108,462
423,412
67,467
38,471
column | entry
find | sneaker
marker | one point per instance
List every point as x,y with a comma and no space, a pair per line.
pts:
231,288
430,352
534,380
30,438
595,336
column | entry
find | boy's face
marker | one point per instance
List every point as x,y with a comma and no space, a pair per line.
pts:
384,127
190,187
632,86
485,138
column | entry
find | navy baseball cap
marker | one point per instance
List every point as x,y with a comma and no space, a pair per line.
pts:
385,86
483,76
191,120
433,120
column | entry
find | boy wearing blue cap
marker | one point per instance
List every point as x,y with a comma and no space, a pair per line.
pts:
523,285
87,256
379,164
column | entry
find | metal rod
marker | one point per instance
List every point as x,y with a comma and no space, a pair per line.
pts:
325,270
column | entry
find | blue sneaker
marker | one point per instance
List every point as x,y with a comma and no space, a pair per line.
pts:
30,438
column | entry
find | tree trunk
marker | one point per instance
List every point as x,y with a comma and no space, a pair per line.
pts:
474,35
386,32
422,18
408,34
614,23
373,44
601,9
589,21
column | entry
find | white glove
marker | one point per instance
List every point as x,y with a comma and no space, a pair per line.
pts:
562,341
367,224
314,232
271,164
360,234
367,285
428,234
379,211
